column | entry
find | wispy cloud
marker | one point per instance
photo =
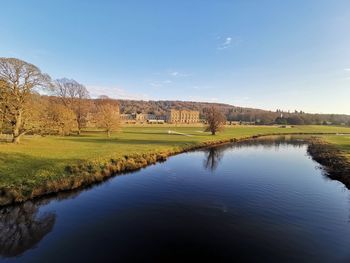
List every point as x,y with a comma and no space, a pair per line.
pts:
347,69
174,73
165,78
160,83
228,42
203,99
114,92
201,87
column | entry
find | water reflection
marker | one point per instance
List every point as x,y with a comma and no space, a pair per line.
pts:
268,142
21,228
213,157
260,210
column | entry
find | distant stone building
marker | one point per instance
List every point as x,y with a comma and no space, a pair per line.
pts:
144,117
173,116
138,117
127,118
183,116
155,121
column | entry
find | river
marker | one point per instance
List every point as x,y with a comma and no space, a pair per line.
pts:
262,201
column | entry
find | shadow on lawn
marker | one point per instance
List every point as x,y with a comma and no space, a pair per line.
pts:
197,134
123,141
10,158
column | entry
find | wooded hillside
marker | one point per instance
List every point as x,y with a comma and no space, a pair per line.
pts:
234,113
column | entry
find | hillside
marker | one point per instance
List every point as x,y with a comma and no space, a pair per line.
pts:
234,113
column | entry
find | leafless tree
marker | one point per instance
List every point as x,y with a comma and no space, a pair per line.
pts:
59,120
215,120
19,81
75,97
3,103
104,97
107,116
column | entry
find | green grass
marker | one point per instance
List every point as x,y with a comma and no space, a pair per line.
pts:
340,142
38,159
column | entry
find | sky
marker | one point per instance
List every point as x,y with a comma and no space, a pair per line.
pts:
271,54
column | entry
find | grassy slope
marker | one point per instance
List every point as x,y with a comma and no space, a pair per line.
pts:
37,158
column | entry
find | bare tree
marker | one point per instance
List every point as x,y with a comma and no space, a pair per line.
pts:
75,97
3,103
215,119
60,119
107,116
19,80
103,97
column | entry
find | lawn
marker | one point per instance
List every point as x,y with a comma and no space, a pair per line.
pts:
38,159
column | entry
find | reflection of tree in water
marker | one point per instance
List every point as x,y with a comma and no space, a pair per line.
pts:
21,228
268,142
215,154
213,158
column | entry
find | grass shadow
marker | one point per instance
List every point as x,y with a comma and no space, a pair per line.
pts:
130,141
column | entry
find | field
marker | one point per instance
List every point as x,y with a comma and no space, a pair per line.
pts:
40,159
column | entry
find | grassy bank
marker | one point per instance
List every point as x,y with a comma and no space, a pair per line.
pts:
340,142
333,152
42,165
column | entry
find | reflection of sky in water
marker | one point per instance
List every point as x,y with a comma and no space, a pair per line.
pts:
256,200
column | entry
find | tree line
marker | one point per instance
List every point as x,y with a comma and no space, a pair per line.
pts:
65,108
234,113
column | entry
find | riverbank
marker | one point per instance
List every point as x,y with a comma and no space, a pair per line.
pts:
333,153
44,165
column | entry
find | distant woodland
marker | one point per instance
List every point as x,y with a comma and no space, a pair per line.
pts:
234,113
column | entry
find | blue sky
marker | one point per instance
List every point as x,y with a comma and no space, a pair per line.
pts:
267,54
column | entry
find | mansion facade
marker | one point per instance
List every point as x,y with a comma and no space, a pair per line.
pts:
183,116
173,116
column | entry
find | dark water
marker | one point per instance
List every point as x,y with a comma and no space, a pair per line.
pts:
266,202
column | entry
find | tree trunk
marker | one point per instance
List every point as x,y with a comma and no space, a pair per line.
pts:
16,140
108,133
79,125
15,128
213,132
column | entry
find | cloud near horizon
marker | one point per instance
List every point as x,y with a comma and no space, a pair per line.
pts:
114,92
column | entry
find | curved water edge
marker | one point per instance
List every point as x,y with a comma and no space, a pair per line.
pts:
86,173
333,161
259,198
